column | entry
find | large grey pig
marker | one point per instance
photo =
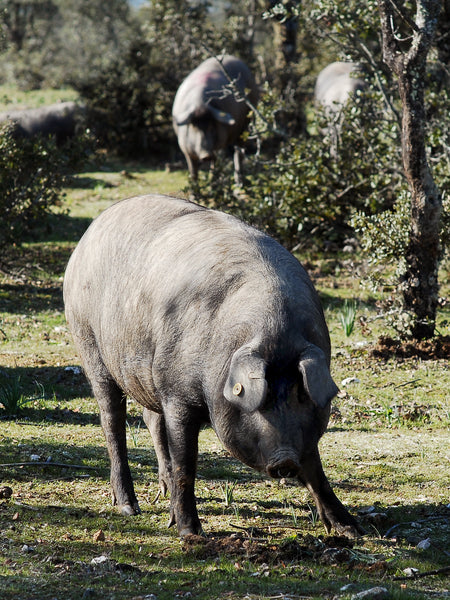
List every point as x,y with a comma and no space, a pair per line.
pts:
202,319
208,114
58,120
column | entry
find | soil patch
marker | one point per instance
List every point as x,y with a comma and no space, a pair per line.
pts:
435,348
264,551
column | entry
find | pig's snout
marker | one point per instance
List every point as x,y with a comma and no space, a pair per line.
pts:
283,466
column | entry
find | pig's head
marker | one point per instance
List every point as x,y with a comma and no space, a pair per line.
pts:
275,410
203,130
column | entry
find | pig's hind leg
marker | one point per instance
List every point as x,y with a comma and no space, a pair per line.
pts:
157,427
113,407
113,413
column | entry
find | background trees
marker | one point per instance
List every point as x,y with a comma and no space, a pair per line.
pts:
127,63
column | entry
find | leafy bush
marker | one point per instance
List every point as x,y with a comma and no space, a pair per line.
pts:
303,191
32,172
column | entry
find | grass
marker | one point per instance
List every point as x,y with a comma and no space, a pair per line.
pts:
387,448
347,317
11,98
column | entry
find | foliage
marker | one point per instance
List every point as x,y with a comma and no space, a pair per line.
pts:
32,173
50,43
12,399
306,192
384,238
348,174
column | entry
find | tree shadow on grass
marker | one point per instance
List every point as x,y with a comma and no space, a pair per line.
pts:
62,228
44,383
60,565
29,298
50,246
37,459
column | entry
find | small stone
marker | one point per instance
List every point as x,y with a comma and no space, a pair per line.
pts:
348,380
5,492
74,370
99,560
99,536
424,544
366,510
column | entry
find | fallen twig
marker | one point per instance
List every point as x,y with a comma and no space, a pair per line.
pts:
406,383
424,574
158,495
41,463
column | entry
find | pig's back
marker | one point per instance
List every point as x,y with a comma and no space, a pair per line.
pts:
161,281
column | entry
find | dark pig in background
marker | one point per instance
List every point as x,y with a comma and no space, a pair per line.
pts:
202,319
58,120
210,110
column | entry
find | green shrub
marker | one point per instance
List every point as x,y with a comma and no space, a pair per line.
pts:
32,172
298,189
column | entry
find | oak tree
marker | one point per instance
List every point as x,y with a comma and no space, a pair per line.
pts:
407,40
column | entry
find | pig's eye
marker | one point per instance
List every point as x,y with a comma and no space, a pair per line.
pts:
280,391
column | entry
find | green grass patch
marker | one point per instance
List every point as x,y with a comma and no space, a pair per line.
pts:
12,98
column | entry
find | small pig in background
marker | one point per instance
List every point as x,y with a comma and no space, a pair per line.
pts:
210,110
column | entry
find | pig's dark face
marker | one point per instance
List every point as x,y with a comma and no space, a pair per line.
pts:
202,136
274,413
273,439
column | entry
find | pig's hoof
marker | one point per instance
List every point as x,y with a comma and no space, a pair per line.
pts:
127,510
187,531
352,531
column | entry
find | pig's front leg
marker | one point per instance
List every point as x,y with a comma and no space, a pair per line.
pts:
331,511
182,430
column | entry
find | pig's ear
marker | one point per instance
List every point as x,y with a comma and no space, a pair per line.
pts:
246,386
317,380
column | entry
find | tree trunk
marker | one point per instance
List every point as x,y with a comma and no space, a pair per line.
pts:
285,41
419,283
